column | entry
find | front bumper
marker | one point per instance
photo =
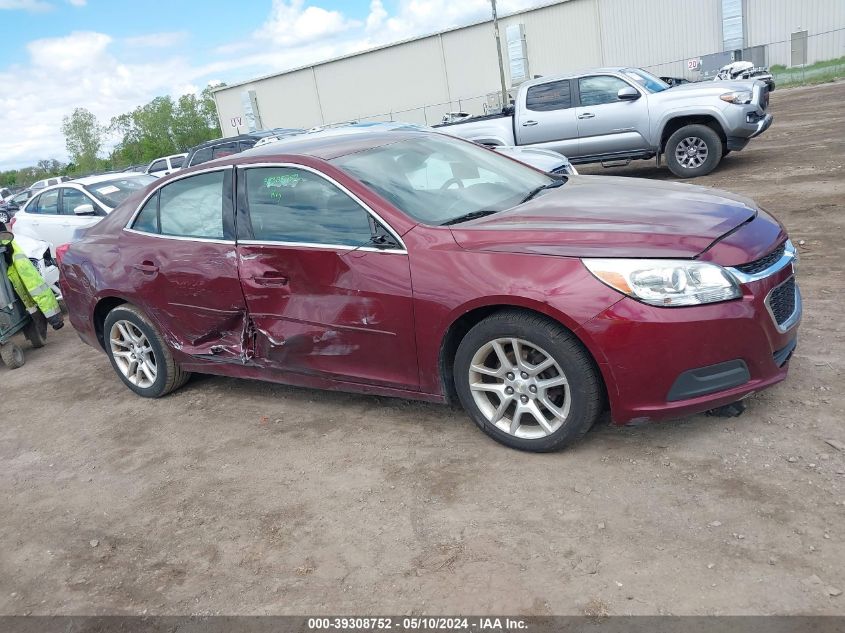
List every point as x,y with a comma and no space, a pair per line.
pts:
661,363
764,124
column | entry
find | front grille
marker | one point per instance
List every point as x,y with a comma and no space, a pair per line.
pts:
782,301
764,98
759,265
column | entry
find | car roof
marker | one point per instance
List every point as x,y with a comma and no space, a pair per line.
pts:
589,71
336,142
93,180
226,139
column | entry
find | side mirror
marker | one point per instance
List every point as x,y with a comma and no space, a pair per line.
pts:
628,94
84,209
6,236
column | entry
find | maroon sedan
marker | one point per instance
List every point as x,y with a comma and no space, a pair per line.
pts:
410,264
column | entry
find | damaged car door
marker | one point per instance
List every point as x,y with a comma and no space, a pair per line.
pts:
327,283
180,254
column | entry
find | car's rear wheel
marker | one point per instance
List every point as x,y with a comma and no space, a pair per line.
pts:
694,150
527,381
139,354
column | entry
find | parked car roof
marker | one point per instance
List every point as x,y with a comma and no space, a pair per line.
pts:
339,141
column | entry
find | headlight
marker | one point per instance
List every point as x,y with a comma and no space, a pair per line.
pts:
739,97
666,282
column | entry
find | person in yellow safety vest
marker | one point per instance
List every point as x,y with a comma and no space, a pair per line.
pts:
28,283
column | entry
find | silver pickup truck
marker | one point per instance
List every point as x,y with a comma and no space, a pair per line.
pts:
621,114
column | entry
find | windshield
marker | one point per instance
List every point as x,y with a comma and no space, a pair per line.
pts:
436,179
113,192
646,80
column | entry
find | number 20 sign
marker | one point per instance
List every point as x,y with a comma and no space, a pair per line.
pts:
692,64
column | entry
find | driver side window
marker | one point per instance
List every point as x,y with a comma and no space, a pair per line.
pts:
295,205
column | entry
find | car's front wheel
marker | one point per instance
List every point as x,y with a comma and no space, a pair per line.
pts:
527,381
694,150
139,354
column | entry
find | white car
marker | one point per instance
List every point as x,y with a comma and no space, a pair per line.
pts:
546,160
47,182
56,213
165,165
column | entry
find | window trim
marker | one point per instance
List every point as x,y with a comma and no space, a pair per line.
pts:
128,226
401,250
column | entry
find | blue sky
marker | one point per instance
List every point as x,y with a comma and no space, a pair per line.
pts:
111,56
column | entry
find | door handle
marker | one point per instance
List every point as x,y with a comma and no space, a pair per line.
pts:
146,267
587,115
529,123
270,279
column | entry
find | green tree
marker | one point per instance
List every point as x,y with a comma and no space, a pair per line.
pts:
83,138
164,126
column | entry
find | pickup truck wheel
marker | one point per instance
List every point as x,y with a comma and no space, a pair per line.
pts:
693,151
527,382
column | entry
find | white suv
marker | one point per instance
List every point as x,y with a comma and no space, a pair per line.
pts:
165,165
47,182
54,214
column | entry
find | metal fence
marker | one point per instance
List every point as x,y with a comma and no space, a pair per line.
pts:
801,59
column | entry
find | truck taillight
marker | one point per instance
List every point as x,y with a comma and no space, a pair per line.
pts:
60,253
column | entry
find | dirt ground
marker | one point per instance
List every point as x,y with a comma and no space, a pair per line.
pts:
240,497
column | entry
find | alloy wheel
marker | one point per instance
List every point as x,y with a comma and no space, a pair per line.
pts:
133,354
519,388
691,152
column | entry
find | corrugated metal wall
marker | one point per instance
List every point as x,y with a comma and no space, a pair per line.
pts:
661,34
418,81
770,21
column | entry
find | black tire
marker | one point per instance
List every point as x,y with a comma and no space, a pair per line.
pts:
12,356
169,376
585,387
4,217
36,330
711,141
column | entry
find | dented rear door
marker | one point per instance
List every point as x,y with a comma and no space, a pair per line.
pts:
179,253
322,298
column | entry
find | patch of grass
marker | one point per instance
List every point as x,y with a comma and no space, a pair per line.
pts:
820,72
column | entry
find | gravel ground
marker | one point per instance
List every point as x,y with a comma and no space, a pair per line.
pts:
240,497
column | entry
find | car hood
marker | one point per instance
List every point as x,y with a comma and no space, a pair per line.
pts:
603,216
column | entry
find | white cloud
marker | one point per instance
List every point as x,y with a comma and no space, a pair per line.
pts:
377,16
78,3
26,5
64,73
164,39
290,24
79,50
83,69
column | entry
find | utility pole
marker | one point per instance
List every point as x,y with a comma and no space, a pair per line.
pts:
499,51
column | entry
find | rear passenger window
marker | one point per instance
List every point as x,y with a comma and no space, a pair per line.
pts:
554,95
190,207
47,203
177,161
147,220
295,205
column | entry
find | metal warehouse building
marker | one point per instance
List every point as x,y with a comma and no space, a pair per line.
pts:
419,80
